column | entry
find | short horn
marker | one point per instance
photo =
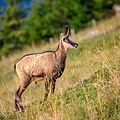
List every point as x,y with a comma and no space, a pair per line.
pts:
68,30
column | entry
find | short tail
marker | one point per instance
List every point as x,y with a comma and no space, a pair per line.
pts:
14,68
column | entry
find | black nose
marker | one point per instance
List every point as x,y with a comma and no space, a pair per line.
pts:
75,45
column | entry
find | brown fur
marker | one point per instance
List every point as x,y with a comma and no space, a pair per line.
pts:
46,66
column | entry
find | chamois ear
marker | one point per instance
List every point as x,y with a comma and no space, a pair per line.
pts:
61,35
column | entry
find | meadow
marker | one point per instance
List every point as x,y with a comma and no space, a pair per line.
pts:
89,89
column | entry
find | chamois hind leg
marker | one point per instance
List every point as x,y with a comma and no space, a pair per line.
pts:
16,103
24,82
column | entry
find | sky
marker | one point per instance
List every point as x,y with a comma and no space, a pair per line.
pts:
2,3
25,4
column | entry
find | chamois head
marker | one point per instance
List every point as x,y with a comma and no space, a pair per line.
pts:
65,40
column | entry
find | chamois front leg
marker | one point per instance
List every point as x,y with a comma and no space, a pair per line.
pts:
47,89
53,86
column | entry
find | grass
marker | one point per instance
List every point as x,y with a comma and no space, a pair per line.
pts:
96,98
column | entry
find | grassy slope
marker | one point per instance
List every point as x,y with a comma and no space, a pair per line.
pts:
97,98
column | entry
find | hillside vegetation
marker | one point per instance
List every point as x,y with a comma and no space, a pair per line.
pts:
88,90
24,22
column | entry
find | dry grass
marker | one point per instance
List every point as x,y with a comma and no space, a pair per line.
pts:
98,59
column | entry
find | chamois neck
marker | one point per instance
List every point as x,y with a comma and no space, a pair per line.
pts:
61,52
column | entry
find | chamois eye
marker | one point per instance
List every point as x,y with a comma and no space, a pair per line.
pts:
64,39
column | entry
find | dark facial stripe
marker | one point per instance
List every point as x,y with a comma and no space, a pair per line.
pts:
67,40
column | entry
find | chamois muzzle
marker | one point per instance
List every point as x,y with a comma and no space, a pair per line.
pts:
67,40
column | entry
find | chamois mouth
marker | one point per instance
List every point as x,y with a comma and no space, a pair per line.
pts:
71,42
75,45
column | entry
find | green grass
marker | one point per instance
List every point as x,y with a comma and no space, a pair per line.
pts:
96,98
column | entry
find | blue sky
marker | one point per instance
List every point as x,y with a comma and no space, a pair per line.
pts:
25,4
2,3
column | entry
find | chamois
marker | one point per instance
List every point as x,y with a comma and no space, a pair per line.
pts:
48,65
